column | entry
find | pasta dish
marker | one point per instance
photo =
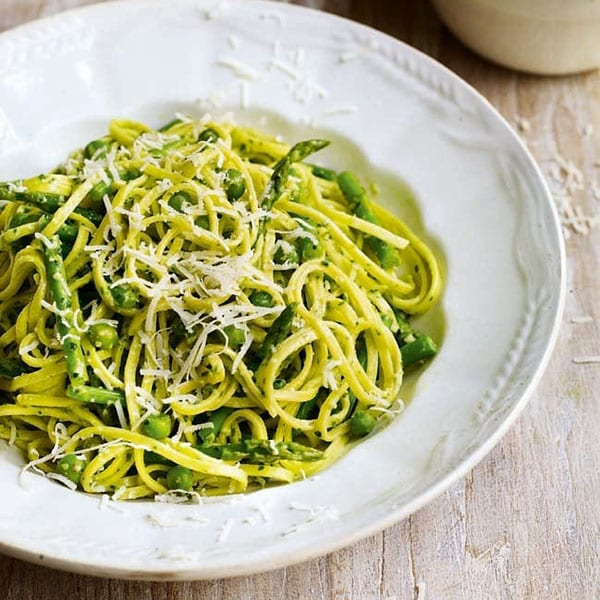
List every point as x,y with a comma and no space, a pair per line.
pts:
201,309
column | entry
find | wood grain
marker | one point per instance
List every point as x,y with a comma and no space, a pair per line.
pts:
525,523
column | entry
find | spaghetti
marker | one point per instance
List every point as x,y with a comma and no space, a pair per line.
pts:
199,309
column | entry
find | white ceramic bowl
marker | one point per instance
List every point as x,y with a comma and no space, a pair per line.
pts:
551,37
396,117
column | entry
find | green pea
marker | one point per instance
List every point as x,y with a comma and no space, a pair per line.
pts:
130,174
180,478
235,336
308,249
283,256
235,186
96,149
202,221
208,135
157,426
260,298
125,296
103,336
71,466
179,200
279,383
362,423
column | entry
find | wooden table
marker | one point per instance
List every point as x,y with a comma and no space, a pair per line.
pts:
525,523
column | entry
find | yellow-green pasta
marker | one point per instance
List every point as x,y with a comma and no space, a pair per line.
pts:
199,310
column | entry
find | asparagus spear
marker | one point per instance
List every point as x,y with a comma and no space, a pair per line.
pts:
361,207
414,346
423,347
281,171
261,451
216,420
322,172
94,395
279,330
65,317
170,124
306,408
97,148
49,203
66,232
404,328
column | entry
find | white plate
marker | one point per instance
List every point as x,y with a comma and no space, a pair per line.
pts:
393,115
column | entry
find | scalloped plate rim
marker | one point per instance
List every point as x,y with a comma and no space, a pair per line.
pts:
195,572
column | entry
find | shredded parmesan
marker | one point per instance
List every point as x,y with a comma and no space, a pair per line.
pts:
13,434
582,319
581,360
62,479
329,378
240,69
244,94
523,124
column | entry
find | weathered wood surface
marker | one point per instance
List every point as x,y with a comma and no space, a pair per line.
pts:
525,523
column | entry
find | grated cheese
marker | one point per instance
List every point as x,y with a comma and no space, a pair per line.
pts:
164,373
285,68
329,379
239,69
340,110
178,497
244,94
62,479
523,124
107,503
358,51
13,434
582,319
93,168
121,415
566,182
581,360
29,347
114,227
